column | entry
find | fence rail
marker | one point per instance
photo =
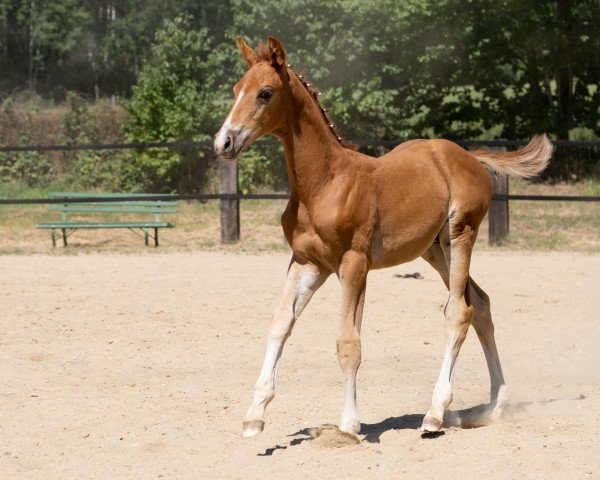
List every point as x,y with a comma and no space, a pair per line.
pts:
258,196
208,143
230,197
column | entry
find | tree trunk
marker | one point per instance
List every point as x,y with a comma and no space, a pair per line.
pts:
5,31
564,77
31,50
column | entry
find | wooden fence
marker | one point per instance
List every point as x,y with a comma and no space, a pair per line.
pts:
230,196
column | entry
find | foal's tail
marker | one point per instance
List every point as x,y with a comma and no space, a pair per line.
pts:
527,162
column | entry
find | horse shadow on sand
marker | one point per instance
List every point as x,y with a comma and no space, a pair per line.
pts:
474,417
330,435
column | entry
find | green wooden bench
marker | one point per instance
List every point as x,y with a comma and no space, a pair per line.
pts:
72,211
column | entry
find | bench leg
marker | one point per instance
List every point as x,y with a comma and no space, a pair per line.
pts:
53,235
146,236
156,237
64,232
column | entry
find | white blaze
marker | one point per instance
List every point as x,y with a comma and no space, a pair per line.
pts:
227,127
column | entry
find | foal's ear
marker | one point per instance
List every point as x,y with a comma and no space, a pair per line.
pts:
277,53
249,55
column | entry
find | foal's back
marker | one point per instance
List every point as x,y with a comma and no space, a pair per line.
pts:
459,169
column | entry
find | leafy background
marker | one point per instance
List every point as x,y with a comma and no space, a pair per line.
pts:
85,71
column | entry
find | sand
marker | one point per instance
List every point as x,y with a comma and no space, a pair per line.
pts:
142,366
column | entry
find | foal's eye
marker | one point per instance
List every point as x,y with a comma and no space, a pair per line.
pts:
265,94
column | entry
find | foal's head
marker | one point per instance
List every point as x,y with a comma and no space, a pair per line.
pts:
261,98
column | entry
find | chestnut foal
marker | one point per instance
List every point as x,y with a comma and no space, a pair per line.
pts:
349,213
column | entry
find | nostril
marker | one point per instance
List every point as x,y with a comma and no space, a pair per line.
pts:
227,144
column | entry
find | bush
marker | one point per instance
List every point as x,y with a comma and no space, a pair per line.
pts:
108,170
262,168
179,95
27,168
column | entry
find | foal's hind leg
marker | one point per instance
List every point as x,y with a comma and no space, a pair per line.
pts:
482,321
303,280
485,331
459,314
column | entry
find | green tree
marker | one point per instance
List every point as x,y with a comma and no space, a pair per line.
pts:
179,96
121,33
45,33
388,69
499,68
95,47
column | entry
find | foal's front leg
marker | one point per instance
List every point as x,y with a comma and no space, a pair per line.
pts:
353,277
302,281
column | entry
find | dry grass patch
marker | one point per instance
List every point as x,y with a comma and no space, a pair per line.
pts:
533,226
197,228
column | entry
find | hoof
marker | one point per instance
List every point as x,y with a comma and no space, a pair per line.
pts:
253,427
431,424
350,426
502,401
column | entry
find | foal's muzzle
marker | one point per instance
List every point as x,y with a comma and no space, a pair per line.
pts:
229,142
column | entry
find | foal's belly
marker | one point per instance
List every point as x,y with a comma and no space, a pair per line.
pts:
389,252
403,236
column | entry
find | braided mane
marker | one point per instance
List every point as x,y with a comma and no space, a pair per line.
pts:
264,55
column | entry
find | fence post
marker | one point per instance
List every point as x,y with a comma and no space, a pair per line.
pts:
498,220
230,208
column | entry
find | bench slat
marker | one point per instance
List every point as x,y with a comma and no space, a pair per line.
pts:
100,206
106,225
106,195
111,208
166,203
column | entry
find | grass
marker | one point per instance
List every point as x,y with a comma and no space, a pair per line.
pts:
197,228
549,225
534,226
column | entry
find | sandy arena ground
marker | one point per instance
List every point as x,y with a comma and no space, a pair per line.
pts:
142,366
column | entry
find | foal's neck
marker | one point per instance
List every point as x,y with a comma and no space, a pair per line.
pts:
312,149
